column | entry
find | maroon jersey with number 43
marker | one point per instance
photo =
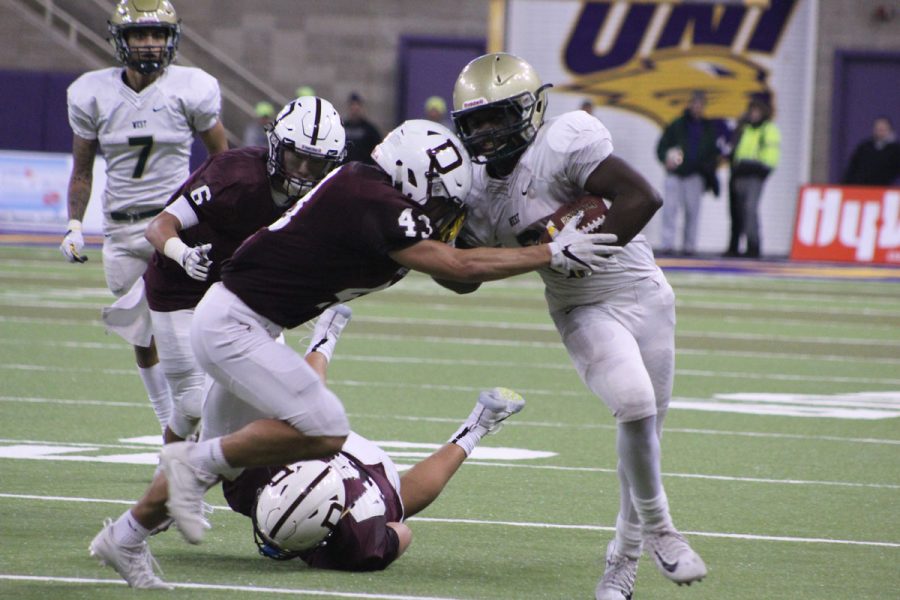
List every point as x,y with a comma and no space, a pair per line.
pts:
330,247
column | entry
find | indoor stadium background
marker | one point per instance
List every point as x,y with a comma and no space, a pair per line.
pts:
781,454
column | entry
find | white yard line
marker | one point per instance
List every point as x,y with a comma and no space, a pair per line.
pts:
226,588
754,376
528,524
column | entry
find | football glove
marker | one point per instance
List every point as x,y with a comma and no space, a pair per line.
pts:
578,253
73,243
195,261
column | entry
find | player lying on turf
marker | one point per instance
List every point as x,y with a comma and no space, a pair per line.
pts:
345,512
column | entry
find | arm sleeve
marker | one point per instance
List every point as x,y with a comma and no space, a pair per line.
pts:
205,103
81,117
583,142
182,210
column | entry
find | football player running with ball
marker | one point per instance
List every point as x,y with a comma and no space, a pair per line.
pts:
360,230
143,119
618,325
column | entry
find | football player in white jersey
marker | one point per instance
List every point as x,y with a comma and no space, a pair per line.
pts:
618,324
143,119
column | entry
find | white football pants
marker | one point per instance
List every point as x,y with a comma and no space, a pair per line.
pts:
172,332
255,377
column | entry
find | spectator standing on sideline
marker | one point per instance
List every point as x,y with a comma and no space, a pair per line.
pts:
436,110
876,161
143,119
255,132
690,155
362,135
757,150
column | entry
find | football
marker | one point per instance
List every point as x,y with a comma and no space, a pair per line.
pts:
593,207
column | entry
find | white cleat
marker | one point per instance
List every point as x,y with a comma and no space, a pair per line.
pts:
328,328
617,582
673,556
134,563
187,486
495,406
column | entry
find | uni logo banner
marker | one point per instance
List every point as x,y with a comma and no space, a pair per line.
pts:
640,60
649,57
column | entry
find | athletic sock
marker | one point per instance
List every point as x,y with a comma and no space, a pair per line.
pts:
127,531
158,391
208,456
654,512
628,538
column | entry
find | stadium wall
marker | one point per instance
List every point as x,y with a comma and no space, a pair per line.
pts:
339,46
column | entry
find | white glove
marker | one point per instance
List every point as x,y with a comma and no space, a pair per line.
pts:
73,243
195,261
578,253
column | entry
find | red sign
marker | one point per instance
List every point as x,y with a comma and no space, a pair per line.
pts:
848,224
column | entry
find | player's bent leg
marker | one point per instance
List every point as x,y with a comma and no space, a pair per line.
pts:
424,482
186,380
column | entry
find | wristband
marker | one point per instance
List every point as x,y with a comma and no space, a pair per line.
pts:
175,248
74,225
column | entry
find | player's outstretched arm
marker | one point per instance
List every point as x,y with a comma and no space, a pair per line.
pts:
633,200
575,250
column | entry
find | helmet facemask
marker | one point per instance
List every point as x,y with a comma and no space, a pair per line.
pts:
513,127
285,162
446,212
145,59
306,142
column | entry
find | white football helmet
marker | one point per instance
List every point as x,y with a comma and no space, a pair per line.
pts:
428,164
306,141
298,508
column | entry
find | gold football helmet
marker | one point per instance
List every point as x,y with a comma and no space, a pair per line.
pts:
131,15
498,106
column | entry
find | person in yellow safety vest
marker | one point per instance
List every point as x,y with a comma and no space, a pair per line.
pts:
757,150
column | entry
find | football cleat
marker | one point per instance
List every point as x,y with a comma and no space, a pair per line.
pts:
673,556
187,485
495,406
328,329
134,563
617,582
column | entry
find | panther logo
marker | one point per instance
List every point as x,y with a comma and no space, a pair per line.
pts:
659,85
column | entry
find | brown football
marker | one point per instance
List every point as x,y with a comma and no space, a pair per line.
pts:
593,207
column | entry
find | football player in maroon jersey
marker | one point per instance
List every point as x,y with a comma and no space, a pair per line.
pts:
361,229
218,207
292,511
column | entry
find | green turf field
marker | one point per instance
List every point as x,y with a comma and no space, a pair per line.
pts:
781,454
